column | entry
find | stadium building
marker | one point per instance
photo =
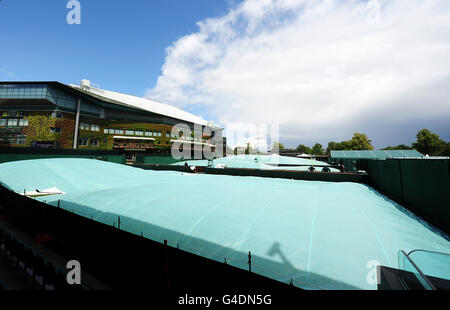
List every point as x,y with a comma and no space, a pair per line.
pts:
60,116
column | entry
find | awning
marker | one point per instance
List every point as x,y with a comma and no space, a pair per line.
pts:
133,138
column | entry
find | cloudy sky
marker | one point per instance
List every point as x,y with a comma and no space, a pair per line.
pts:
321,69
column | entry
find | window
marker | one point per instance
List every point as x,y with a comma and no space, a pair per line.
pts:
129,132
148,133
55,129
94,142
57,115
159,134
2,122
83,142
9,139
23,122
118,131
139,133
12,114
13,122
95,128
21,139
106,130
84,126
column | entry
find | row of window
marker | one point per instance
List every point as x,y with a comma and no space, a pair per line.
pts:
12,114
194,139
57,115
13,139
13,122
132,132
20,115
22,123
85,142
89,127
14,94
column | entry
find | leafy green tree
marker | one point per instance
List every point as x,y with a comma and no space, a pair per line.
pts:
360,142
398,147
334,146
446,150
248,149
277,146
317,149
304,149
429,143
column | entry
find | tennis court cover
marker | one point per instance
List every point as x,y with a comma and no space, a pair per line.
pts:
321,235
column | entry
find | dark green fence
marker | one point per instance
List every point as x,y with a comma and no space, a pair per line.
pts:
422,185
155,160
8,154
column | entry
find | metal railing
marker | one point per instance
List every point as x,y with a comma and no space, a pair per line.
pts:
406,264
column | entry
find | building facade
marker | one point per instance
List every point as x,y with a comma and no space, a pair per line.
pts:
56,115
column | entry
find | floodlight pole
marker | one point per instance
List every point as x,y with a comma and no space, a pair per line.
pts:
77,124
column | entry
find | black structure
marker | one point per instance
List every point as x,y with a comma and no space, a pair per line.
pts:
318,175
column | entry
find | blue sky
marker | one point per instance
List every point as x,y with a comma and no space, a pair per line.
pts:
119,44
320,69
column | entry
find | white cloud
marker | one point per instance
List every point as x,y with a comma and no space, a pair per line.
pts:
322,69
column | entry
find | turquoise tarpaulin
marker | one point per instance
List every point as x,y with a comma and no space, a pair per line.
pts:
319,234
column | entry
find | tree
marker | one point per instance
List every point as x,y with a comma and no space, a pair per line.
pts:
398,147
317,149
334,146
360,142
239,150
277,146
446,150
429,143
248,149
304,149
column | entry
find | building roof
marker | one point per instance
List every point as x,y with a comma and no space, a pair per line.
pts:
123,100
377,154
141,104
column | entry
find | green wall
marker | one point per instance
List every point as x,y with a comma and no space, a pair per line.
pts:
422,185
16,157
155,160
